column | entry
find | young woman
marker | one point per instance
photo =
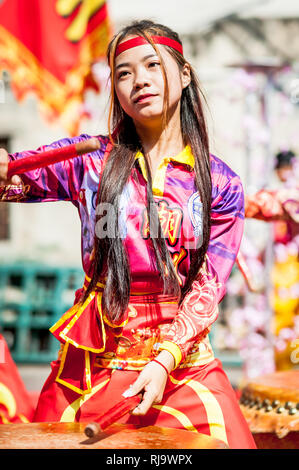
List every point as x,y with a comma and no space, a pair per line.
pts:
162,220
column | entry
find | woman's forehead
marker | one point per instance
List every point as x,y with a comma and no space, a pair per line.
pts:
138,52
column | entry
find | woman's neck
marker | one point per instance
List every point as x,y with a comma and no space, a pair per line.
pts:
160,141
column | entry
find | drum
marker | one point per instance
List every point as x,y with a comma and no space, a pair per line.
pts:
117,436
270,404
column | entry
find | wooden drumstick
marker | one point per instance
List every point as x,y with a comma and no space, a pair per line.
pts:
112,415
48,157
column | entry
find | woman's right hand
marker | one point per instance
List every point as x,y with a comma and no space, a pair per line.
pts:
4,160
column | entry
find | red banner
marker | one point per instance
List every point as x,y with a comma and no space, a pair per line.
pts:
48,47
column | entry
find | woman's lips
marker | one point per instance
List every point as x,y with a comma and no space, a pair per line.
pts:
143,98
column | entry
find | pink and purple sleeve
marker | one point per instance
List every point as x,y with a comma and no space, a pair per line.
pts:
57,182
199,309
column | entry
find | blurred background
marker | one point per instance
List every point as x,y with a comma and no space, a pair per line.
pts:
246,57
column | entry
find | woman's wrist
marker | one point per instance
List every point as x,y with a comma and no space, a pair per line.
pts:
173,349
167,360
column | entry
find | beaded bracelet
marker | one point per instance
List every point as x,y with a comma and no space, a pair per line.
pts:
162,365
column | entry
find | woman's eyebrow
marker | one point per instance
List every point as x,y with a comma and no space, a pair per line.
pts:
127,64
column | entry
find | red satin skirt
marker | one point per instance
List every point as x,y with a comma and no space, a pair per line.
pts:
83,385
199,399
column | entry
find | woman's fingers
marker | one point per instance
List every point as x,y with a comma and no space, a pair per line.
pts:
4,160
15,179
135,388
147,399
151,380
146,403
3,165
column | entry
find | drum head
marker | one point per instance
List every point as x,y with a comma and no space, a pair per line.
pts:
71,436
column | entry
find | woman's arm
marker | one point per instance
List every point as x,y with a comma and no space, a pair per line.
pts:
269,206
56,182
200,306
152,380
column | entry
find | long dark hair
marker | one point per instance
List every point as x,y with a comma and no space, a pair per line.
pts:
110,252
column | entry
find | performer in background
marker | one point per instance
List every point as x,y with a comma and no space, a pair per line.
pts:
162,221
281,207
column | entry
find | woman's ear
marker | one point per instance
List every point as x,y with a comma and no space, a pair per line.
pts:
186,75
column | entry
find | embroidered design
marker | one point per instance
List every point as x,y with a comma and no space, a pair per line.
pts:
178,258
195,213
171,219
197,312
13,192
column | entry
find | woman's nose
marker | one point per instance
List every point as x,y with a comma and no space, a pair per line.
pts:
140,79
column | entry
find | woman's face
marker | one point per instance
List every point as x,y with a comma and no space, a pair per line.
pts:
139,83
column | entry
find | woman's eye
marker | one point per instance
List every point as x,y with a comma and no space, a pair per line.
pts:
153,64
122,74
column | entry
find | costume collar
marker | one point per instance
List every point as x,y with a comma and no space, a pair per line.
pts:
185,156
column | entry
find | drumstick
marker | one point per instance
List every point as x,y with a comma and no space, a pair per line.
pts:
43,159
112,415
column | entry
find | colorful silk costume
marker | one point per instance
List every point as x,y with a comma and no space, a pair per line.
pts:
93,349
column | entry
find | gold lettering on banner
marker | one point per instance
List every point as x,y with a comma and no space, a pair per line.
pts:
86,9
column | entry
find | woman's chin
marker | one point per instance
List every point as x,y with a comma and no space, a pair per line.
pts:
148,117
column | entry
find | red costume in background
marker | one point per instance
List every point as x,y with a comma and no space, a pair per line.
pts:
16,405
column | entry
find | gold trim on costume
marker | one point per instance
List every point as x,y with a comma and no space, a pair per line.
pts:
88,279
213,409
23,418
63,318
69,414
179,415
174,351
75,316
87,370
204,355
63,355
3,418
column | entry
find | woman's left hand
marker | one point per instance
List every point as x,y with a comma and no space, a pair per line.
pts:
152,381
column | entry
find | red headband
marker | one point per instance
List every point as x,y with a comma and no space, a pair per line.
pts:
139,41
